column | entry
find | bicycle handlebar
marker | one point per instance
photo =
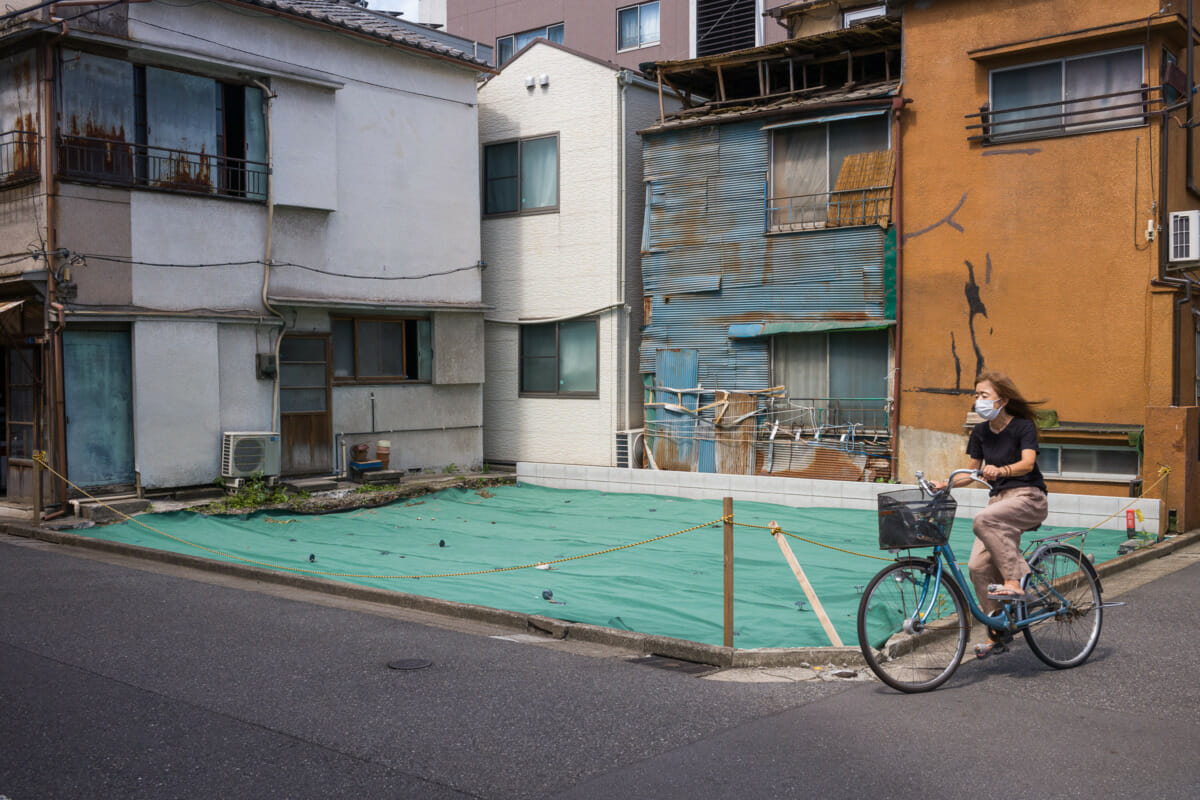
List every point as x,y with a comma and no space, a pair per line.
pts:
973,473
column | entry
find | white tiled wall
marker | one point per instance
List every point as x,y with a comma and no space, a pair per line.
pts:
1066,510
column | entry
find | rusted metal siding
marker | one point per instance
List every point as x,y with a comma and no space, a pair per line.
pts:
707,263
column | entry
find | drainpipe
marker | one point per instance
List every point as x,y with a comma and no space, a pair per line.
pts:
1191,101
898,104
624,78
268,96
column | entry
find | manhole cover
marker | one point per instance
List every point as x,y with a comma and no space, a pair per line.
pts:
410,663
675,665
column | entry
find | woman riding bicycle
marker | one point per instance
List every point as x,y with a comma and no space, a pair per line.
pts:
1004,448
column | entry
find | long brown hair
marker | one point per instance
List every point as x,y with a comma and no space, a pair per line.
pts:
1017,405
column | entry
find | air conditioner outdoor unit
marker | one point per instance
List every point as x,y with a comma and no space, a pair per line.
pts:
246,453
1185,236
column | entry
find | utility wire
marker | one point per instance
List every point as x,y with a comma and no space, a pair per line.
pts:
260,262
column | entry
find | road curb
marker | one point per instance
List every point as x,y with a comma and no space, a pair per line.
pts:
642,643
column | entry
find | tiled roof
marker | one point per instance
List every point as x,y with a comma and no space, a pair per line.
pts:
372,23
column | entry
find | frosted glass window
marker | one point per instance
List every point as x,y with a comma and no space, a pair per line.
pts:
559,358
1071,95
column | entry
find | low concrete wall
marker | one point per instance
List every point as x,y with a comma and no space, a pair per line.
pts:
1066,510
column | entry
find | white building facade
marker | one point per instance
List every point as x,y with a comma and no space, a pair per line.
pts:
562,207
261,218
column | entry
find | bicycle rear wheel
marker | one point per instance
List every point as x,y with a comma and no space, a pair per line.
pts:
912,628
1064,584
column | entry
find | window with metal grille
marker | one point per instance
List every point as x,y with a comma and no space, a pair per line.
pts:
722,26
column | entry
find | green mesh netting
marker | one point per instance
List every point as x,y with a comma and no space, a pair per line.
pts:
671,587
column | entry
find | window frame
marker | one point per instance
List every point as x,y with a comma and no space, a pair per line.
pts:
511,38
134,158
483,199
863,13
773,228
358,379
522,392
1066,128
1059,474
640,44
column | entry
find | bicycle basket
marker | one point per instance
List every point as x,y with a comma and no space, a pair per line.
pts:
911,518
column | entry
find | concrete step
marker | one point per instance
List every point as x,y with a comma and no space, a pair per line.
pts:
312,484
112,510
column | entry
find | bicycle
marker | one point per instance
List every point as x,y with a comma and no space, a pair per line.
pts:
913,621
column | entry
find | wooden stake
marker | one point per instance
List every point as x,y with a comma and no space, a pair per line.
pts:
727,512
805,585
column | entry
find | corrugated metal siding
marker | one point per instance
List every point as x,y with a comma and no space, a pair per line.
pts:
706,219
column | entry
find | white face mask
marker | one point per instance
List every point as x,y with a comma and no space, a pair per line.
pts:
986,409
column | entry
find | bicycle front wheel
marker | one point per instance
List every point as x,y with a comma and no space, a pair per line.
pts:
1064,585
912,627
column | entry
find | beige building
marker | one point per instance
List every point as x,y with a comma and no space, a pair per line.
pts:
561,232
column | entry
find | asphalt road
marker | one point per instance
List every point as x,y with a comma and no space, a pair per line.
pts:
124,680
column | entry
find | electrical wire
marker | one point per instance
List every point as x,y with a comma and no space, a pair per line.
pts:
274,264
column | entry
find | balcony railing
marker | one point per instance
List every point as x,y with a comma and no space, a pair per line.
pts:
126,164
1123,109
872,206
18,157
830,418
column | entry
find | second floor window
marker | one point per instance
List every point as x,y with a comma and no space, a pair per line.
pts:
1067,95
722,26
637,26
509,46
521,176
807,186
138,125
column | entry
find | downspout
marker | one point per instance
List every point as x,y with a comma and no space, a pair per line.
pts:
1191,101
898,104
268,96
624,79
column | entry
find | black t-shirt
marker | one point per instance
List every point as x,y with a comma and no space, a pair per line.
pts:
1004,448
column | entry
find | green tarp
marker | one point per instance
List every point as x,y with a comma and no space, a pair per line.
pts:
670,587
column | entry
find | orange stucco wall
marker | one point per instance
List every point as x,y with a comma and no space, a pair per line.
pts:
1028,257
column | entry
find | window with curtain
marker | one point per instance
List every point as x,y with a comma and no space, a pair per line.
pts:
842,375
1069,95
521,176
806,161
637,26
560,358
508,46
384,350
1078,461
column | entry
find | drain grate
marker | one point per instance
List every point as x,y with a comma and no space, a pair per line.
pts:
675,665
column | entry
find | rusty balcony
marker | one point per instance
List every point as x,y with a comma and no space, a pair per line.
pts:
119,163
837,209
1124,109
829,418
18,158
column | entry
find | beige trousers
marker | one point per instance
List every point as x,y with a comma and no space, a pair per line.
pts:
996,556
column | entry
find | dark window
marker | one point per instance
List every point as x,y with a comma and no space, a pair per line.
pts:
382,350
723,26
159,128
560,358
509,46
521,176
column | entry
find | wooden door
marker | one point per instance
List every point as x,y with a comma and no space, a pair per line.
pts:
306,424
